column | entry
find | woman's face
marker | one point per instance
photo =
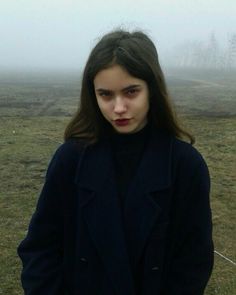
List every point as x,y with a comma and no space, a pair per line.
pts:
122,99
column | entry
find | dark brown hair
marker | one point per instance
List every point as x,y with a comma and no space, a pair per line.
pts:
136,53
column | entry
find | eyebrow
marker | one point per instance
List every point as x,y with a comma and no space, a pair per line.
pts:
124,89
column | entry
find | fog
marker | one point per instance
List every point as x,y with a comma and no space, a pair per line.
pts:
59,34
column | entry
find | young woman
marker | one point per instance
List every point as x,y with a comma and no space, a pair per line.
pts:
125,206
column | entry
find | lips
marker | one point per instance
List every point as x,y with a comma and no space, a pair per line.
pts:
122,122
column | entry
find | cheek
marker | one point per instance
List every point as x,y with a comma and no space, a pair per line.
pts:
144,107
104,107
100,104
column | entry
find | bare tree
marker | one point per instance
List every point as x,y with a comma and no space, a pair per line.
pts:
208,55
213,52
231,60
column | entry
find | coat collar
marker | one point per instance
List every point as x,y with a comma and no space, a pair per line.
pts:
120,240
97,167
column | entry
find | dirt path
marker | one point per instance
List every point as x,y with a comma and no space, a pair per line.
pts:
203,83
46,106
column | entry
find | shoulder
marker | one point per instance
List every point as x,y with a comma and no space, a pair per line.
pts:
179,152
188,160
71,148
67,156
186,151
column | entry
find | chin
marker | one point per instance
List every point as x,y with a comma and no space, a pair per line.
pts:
125,130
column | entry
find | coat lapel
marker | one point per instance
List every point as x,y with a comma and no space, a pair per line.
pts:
103,215
141,210
102,208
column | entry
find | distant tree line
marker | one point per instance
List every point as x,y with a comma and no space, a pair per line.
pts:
208,54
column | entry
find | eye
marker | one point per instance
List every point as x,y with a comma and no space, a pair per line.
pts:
132,92
105,94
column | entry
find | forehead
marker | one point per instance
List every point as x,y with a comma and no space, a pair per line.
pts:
115,77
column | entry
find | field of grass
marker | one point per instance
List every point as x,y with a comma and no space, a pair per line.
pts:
34,109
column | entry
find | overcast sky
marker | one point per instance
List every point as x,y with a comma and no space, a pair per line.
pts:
60,33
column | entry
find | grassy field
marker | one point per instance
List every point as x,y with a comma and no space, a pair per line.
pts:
34,109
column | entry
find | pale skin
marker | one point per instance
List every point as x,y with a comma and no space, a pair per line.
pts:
122,99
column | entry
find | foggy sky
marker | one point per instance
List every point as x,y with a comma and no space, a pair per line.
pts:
60,33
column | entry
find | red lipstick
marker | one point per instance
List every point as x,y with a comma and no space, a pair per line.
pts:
122,122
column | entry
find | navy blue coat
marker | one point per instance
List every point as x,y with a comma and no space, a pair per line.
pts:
78,242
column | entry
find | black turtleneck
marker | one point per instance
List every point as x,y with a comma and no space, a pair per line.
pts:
127,151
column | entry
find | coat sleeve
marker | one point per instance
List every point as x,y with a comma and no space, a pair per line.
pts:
191,262
41,251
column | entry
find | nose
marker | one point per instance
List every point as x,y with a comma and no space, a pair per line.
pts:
119,105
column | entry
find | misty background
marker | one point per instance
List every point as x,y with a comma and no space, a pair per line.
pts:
44,45
59,34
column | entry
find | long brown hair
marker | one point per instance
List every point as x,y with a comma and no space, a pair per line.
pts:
136,53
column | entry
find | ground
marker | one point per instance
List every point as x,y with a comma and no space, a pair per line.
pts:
34,109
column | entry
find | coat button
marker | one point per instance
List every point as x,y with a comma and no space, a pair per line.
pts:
155,268
84,260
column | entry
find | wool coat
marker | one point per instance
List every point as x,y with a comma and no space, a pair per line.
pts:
80,243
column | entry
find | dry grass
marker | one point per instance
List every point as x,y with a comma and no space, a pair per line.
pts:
33,114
